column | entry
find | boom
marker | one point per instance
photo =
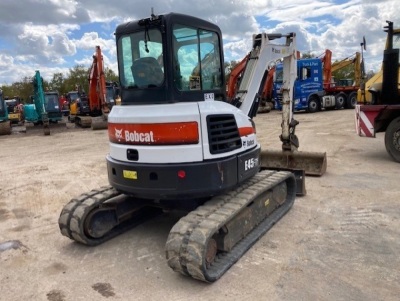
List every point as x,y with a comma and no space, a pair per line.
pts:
262,54
97,85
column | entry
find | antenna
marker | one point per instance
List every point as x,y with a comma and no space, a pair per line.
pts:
153,16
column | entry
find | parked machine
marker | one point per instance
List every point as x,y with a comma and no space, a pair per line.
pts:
383,113
177,143
64,105
5,124
15,110
364,96
112,94
92,110
315,88
45,107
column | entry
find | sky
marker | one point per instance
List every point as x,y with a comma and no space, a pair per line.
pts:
53,36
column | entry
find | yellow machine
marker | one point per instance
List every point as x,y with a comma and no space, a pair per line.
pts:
375,82
15,110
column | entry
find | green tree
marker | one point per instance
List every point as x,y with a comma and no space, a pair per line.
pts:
22,89
57,83
229,66
110,75
77,76
307,55
346,72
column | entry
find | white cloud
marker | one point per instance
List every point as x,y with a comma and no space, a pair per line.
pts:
48,35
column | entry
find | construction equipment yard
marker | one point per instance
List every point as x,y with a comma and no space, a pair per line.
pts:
339,242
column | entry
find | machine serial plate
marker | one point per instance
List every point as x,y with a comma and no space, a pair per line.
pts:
129,174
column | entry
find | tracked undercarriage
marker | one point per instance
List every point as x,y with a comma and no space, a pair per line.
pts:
96,123
203,244
5,128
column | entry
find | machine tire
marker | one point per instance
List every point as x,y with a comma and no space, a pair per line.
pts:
392,139
313,105
351,100
341,100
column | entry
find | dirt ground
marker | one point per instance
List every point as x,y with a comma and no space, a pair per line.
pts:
339,242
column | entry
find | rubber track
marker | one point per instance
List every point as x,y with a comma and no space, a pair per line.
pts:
71,220
187,241
84,121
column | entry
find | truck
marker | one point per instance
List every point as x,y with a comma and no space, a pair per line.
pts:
177,143
382,114
5,124
315,88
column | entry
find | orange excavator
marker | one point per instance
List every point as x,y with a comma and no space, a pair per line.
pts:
97,105
266,101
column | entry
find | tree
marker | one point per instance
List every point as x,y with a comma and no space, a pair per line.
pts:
78,76
344,73
229,66
110,75
58,83
22,89
307,55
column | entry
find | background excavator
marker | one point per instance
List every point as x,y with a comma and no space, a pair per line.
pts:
92,110
5,124
177,143
266,95
45,107
383,113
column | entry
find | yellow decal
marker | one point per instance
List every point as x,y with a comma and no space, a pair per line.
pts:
266,203
130,174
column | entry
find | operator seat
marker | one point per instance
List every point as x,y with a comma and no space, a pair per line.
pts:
147,72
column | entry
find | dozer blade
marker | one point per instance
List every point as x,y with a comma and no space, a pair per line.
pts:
314,164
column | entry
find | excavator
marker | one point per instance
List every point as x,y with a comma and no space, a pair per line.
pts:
5,124
92,110
266,100
176,142
45,107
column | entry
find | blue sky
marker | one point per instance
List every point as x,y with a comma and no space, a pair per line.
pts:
55,35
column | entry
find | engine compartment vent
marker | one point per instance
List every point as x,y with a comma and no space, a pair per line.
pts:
223,133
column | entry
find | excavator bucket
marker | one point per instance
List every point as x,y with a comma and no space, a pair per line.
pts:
314,164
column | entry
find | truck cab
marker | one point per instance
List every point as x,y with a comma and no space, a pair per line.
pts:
308,83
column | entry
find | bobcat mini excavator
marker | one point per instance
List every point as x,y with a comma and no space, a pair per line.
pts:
176,143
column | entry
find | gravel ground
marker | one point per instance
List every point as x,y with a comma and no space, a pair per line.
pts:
339,242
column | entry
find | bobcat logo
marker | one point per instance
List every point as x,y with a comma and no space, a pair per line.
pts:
118,134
